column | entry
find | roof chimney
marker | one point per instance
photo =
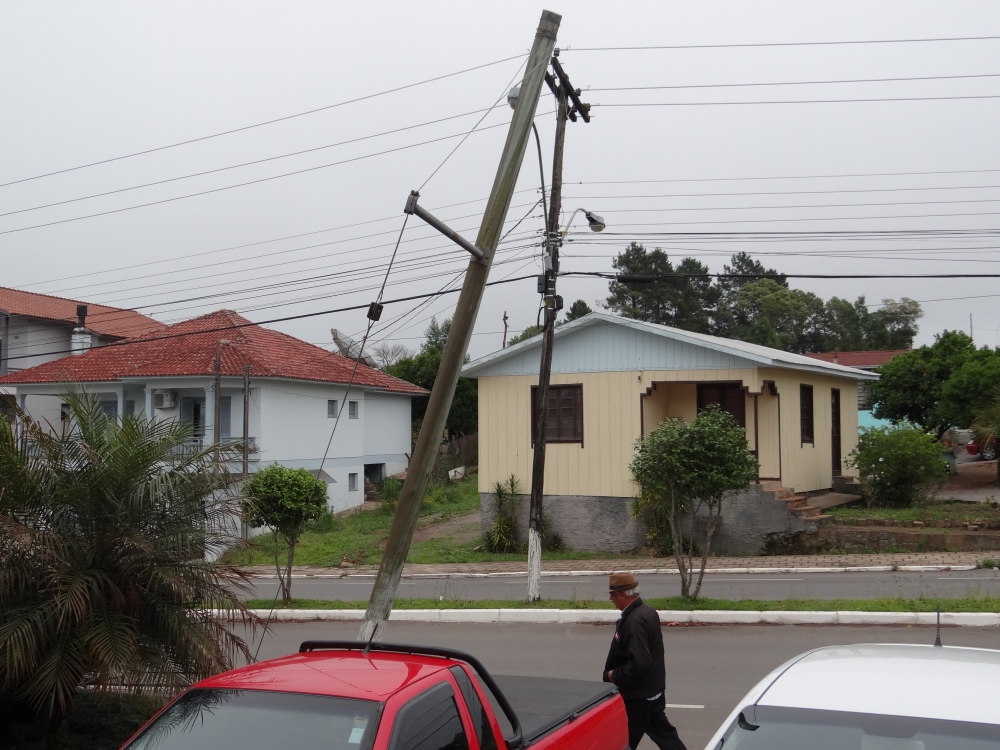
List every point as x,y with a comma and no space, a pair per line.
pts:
835,358
82,339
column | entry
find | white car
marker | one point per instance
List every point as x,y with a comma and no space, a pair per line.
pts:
872,697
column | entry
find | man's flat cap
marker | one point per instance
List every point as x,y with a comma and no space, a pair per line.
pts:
622,582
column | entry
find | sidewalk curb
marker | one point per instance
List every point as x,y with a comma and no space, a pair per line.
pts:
667,617
640,571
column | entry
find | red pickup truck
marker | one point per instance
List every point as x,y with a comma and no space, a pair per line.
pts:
345,695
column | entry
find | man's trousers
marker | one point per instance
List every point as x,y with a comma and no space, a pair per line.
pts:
647,717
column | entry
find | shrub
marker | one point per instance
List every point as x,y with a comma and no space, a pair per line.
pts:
897,465
502,536
389,491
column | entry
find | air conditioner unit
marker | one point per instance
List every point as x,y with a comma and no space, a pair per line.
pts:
164,399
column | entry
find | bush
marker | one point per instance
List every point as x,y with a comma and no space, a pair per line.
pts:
897,465
502,536
389,491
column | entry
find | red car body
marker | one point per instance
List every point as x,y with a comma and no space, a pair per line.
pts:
974,448
393,677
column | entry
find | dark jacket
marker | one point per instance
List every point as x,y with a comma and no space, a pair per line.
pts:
636,654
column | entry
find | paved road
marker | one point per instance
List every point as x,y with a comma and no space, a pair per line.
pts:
717,585
710,666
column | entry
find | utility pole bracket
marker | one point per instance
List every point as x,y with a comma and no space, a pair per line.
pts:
414,209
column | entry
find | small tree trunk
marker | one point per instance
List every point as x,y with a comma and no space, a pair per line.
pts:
277,569
709,531
675,531
288,571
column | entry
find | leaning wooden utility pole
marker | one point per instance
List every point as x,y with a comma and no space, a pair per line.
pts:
552,304
421,464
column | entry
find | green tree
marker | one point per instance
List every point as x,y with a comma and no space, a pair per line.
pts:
676,480
852,327
421,369
528,333
911,385
686,303
773,315
740,271
987,423
436,335
897,465
970,389
106,532
577,310
284,500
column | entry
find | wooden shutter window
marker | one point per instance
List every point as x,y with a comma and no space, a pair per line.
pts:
564,421
806,413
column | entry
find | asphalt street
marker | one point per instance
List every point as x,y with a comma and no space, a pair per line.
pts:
709,668
716,585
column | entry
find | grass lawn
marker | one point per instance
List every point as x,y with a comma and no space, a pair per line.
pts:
359,537
968,604
955,510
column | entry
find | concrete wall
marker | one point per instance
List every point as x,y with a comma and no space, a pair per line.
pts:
595,524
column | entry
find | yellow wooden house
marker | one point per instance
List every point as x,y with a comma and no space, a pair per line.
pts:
615,379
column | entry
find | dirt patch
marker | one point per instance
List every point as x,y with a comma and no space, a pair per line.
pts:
462,529
975,482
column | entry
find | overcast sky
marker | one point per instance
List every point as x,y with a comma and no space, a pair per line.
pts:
86,82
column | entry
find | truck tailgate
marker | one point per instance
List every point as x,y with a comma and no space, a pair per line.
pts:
544,703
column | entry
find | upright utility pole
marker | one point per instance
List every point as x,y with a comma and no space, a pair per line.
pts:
417,475
552,303
217,406
244,532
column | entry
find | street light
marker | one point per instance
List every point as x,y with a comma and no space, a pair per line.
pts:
596,222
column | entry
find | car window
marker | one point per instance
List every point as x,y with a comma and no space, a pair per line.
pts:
775,728
430,722
481,719
247,719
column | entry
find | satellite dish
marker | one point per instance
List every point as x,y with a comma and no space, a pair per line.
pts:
350,348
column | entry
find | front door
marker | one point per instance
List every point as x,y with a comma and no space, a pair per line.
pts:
835,430
730,396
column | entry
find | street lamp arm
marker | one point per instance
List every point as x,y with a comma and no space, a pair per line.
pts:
596,222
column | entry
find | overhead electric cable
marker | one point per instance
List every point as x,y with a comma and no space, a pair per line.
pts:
266,122
791,83
782,44
800,101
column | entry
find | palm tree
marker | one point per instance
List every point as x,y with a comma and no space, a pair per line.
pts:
987,424
106,532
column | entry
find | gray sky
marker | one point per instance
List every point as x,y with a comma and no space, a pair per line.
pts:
88,82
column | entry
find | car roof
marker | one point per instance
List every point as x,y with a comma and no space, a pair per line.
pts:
348,674
948,683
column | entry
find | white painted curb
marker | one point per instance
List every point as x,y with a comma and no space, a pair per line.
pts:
591,616
641,571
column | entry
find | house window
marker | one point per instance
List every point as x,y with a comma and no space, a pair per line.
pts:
129,408
225,417
564,422
352,409
806,423
729,396
64,412
331,408
109,409
352,481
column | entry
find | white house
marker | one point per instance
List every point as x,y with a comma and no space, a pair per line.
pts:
39,328
296,392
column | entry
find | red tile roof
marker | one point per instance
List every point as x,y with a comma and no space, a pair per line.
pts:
859,359
189,348
103,320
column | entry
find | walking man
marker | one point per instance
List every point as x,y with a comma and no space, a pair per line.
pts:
635,665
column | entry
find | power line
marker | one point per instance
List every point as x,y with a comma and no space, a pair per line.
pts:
637,278
249,182
779,177
781,44
247,163
801,101
266,122
792,83
818,218
235,326
785,192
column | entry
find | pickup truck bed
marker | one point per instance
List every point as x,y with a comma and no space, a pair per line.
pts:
544,703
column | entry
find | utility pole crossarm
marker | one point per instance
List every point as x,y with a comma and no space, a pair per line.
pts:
416,210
